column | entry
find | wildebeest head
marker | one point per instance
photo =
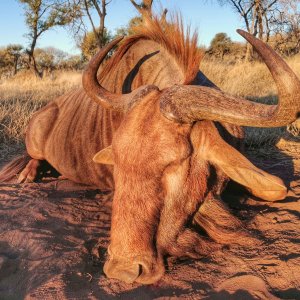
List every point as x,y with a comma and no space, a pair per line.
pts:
168,156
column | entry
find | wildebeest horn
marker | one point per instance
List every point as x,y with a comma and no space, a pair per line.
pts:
191,103
120,102
90,82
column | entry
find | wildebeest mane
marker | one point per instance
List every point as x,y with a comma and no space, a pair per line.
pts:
178,42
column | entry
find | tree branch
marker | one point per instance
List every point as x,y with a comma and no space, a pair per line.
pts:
90,18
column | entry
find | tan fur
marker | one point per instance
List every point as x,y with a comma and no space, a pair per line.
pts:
137,174
216,219
173,38
30,172
69,131
10,171
166,176
164,172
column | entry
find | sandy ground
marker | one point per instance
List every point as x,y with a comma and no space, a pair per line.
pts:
50,233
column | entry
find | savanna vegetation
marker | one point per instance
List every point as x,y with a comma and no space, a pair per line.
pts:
30,77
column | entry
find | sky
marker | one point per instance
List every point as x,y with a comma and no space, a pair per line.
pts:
207,16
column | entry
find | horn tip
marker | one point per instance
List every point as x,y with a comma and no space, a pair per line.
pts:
241,32
118,39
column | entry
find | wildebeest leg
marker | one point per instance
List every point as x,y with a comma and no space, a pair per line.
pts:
220,224
175,239
36,137
39,129
213,217
9,172
173,236
30,171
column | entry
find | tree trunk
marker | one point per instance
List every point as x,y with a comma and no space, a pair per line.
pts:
259,13
33,66
249,47
248,52
16,66
31,59
102,24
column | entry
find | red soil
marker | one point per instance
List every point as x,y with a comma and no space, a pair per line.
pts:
50,233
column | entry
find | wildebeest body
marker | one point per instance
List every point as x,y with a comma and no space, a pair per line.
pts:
171,160
71,129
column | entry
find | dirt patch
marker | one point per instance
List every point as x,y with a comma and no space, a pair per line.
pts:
49,233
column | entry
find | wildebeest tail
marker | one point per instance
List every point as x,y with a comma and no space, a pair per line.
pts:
10,171
221,225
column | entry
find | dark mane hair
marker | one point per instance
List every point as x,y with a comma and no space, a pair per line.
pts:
172,36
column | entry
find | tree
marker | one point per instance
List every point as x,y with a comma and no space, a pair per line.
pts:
74,62
58,55
14,52
89,44
44,60
95,12
49,59
256,16
145,10
255,13
100,7
286,28
4,61
130,28
220,45
42,15
10,57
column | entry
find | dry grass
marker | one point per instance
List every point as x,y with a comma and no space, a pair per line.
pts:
253,81
24,94
20,97
250,79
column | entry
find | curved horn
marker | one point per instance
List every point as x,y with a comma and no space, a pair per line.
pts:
90,82
120,102
190,103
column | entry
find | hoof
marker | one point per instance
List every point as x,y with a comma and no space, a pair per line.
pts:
30,172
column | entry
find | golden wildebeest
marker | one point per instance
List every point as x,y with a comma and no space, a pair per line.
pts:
155,117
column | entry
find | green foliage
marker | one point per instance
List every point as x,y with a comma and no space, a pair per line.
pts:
4,59
44,59
13,59
14,50
10,58
89,44
50,59
41,15
73,62
130,28
288,44
220,45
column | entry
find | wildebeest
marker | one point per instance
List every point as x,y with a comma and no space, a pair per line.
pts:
172,137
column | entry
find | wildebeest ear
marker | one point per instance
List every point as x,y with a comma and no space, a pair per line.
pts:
105,156
211,146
